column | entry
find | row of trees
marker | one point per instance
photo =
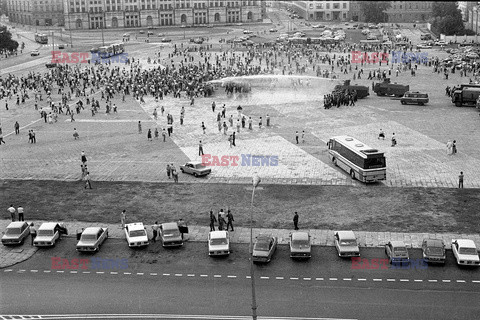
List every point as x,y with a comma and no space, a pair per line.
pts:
446,17
6,42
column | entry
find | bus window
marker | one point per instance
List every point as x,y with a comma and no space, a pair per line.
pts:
372,163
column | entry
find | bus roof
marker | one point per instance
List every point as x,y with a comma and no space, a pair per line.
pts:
357,146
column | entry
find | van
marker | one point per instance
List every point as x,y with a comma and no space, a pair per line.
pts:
414,98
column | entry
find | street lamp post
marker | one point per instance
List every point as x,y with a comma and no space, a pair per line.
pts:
256,182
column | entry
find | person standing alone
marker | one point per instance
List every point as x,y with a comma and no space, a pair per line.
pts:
155,231
460,180
295,221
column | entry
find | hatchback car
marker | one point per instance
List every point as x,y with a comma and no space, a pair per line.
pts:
300,246
433,251
136,234
397,252
16,233
414,97
197,169
48,234
264,248
465,252
218,243
170,235
92,238
346,244
35,53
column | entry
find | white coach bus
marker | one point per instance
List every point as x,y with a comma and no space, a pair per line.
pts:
359,160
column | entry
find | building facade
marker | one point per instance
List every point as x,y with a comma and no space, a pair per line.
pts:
321,10
36,12
93,14
355,11
409,11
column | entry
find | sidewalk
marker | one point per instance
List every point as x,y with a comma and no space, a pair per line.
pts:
13,255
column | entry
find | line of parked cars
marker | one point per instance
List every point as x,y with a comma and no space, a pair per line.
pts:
90,239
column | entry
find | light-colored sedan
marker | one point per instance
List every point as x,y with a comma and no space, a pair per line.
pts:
48,234
195,168
300,246
35,53
16,233
92,238
170,235
264,248
465,252
346,244
218,243
136,234
397,252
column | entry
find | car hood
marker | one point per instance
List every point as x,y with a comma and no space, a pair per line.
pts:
218,247
469,257
43,238
349,248
257,253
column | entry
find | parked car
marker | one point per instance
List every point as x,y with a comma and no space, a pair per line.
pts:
465,252
424,46
247,31
414,97
48,234
136,234
397,252
15,233
165,40
141,32
300,246
34,53
196,168
273,30
170,235
218,243
161,34
92,238
264,248
433,251
61,46
440,43
150,33
346,244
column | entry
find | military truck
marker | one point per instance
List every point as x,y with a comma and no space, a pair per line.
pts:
390,89
362,91
466,95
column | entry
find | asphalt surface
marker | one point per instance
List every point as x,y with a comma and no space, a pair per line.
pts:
186,281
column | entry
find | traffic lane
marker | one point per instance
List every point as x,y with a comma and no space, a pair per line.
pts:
193,258
107,294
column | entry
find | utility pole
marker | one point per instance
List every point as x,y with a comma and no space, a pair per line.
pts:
70,27
256,182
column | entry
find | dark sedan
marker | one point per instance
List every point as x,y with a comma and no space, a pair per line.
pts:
433,251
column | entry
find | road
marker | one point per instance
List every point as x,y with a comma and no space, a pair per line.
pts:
186,281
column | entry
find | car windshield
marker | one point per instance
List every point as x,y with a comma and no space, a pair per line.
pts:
45,232
218,242
199,166
469,251
298,243
348,243
137,233
400,250
261,246
171,233
89,237
13,231
434,251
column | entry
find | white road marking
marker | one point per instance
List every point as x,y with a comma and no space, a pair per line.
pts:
293,278
445,280
362,279
153,274
178,275
217,275
391,280
231,276
279,278
140,273
347,279
190,275
8,270
86,272
265,278
377,279
461,281
307,279
113,272
247,277
47,271
432,280
33,270
476,281
332,279
319,279
418,280
404,280
21,270
60,271
127,273
204,275
73,271
100,272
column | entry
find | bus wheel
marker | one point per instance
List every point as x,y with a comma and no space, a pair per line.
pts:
458,104
352,174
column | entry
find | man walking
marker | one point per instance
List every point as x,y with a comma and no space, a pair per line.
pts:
169,170
200,148
296,136
295,220
460,181
123,217
155,231
83,157
87,181
12,212
33,233
139,127
229,219
212,221
17,128
20,213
